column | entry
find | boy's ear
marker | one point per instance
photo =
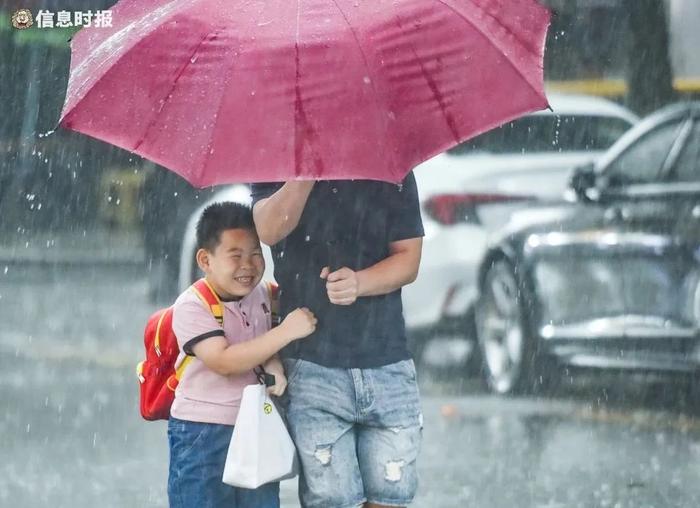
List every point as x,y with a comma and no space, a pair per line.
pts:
202,258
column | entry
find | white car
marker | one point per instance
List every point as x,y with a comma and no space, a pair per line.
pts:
467,191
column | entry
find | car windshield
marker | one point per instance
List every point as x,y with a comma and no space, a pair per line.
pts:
547,133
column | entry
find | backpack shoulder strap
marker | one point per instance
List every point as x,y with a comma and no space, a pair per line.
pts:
274,298
210,299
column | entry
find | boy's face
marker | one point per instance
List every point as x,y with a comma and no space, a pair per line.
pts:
236,265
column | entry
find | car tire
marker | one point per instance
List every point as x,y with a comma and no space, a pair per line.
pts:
511,362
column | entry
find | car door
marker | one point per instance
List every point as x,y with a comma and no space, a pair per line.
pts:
643,196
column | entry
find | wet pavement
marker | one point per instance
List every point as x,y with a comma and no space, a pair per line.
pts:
72,435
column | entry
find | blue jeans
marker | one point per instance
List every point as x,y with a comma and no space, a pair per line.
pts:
197,458
357,431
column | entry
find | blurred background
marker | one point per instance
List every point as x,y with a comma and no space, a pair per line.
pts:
93,239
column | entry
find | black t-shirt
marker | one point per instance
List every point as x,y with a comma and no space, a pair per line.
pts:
346,224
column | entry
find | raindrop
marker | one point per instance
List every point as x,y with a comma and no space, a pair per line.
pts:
252,93
193,59
307,238
7,268
367,80
29,426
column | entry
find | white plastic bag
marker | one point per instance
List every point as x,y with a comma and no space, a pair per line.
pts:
261,450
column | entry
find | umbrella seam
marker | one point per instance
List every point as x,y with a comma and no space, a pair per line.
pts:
510,62
188,63
437,95
83,63
364,59
207,155
297,92
300,115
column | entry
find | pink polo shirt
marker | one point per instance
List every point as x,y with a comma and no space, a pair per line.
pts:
203,395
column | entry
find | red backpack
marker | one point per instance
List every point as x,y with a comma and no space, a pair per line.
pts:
158,373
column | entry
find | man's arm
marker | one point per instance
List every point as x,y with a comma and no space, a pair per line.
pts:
398,269
277,216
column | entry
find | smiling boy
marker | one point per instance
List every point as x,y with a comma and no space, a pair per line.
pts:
208,395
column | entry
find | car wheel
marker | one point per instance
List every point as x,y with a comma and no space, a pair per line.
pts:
510,362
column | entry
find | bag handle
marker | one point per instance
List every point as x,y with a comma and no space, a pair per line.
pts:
263,377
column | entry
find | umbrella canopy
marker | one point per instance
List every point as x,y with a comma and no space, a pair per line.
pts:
224,91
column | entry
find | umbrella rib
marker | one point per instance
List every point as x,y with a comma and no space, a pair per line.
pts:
437,95
216,122
364,60
297,93
510,62
172,88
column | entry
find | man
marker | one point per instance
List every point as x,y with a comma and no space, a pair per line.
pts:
345,249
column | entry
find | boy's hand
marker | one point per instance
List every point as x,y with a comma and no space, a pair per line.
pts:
280,384
299,323
274,366
343,285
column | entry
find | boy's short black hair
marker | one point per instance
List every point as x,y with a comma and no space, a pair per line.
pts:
219,217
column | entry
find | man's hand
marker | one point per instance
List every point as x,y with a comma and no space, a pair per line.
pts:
343,285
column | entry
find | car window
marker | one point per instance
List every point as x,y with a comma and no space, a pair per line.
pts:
643,161
547,133
687,167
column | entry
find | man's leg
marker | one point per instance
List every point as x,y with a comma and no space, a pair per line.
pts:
320,413
388,441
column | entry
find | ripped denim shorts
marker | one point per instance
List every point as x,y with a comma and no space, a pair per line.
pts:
358,433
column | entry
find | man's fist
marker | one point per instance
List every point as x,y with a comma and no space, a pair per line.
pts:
342,285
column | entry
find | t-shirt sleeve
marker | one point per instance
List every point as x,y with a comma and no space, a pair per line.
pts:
193,323
260,191
404,215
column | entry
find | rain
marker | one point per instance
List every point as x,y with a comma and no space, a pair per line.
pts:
555,319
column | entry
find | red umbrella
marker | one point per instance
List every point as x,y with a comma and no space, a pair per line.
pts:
224,91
